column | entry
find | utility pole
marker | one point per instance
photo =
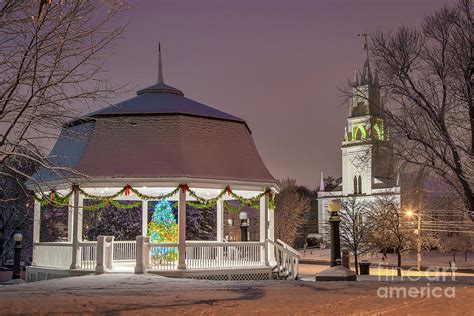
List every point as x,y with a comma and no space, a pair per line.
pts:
418,244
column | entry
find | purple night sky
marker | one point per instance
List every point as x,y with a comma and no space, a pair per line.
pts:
277,64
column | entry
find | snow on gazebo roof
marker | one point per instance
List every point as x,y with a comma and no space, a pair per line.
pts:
162,99
158,134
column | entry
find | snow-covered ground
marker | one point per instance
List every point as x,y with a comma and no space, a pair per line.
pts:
429,259
150,294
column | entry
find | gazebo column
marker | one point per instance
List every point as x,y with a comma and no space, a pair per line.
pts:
182,229
264,227
36,227
271,234
220,220
70,218
77,230
144,217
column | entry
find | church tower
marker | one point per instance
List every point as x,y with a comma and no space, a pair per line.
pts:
366,155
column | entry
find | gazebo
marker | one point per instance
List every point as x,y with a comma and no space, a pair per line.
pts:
158,145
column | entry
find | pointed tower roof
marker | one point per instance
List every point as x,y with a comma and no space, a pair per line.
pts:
321,183
355,81
376,78
366,75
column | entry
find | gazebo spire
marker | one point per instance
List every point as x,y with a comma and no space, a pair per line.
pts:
160,65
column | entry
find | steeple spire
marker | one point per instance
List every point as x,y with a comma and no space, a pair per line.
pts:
366,74
376,78
160,65
321,183
355,83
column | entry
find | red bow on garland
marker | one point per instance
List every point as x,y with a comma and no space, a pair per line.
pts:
183,187
228,190
127,190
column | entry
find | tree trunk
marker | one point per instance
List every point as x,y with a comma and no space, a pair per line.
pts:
2,241
465,256
454,257
356,263
399,263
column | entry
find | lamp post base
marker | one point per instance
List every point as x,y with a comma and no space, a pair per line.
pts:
337,273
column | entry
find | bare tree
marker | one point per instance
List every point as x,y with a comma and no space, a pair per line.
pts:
15,209
426,75
388,231
453,244
392,229
51,56
355,228
290,210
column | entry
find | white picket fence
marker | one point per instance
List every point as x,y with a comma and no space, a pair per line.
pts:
88,254
52,254
200,255
125,250
163,256
222,255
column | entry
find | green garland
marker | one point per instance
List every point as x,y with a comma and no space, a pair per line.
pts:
62,200
155,197
207,202
201,203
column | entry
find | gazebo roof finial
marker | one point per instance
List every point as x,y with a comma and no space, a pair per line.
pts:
160,87
160,65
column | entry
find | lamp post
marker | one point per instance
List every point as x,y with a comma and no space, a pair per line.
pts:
337,272
18,237
243,226
334,221
410,213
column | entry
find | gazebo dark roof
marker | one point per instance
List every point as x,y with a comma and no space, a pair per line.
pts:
162,99
158,134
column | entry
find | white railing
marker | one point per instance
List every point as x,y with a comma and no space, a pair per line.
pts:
162,256
125,250
222,255
88,254
52,254
287,259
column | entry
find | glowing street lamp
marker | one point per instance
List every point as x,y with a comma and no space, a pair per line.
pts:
243,226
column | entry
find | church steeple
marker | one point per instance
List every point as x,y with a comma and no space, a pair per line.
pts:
366,73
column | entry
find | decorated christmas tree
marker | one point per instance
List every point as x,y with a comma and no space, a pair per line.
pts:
163,229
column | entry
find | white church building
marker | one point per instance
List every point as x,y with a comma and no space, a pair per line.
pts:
368,167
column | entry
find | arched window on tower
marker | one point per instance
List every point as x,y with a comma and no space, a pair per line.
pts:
355,185
359,184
